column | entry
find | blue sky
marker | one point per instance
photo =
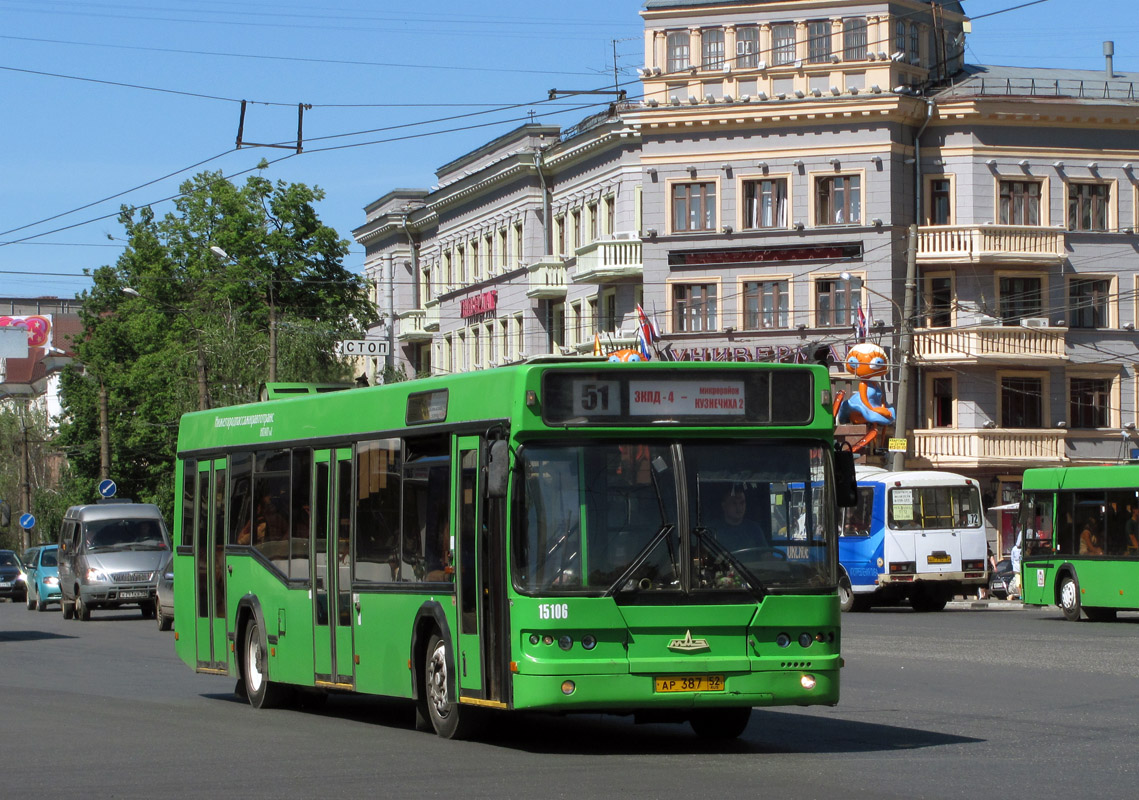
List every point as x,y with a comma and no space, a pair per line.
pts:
130,97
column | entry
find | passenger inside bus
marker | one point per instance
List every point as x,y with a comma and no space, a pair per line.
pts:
1091,539
1131,532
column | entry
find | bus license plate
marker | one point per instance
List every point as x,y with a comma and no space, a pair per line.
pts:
131,595
689,683
939,558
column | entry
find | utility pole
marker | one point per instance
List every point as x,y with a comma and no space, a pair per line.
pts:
104,434
905,345
25,479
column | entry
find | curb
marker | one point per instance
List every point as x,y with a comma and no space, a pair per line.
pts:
987,605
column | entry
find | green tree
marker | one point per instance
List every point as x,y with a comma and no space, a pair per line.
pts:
171,327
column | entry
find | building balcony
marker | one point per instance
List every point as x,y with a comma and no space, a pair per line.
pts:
965,448
612,261
547,279
1015,449
989,345
413,326
990,244
431,315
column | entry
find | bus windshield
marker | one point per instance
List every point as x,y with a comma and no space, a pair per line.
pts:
919,508
640,519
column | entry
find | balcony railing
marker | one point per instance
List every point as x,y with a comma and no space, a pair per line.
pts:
413,326
610,261
953,448
547,278
431,315
988,344
990,244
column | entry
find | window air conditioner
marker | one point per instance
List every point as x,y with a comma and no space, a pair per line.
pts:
1035,322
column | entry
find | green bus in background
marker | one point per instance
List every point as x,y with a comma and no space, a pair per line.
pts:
564,535
1079,529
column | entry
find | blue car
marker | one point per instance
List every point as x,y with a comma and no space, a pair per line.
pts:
42,568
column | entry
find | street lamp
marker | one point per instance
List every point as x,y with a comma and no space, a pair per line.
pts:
224,256
203,391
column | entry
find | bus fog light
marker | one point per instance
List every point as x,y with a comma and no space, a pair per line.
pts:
535,638
783,640
805,639
808,682
565,642
589,641
548,639
568,687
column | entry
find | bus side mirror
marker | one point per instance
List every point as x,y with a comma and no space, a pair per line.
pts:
497,470
845,482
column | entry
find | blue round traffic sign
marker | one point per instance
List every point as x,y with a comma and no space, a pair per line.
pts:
27,521
107,488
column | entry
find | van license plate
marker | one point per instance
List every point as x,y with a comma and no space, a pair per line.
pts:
132,595
689,683
939,558
5,584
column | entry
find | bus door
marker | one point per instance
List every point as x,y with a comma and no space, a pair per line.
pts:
209,559
480,579
332,588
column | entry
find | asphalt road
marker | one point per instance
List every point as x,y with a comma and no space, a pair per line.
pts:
963,703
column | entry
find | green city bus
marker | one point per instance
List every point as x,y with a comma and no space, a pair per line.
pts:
542,536
1079,529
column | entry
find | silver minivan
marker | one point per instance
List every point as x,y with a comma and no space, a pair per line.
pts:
110,555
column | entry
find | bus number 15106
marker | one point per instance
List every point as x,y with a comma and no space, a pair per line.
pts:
553,611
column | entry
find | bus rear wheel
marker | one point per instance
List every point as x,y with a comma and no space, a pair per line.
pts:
449,719
1070,598
262,692
845,594
719,723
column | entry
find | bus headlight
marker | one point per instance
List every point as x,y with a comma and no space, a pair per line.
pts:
808,682
783,640
805,639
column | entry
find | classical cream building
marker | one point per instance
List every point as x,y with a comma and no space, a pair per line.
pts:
759,185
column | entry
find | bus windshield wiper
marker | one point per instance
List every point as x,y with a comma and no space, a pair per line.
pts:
753,583
641,558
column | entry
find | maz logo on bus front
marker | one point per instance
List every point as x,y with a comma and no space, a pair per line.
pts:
553,611
689,645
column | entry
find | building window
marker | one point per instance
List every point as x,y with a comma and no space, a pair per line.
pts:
940,202
766,305
1022,402
594,222
747,47
712,48
476,265
1020,298
915,38
941,397
519,336
694,307
765,203
939,302
839,200
819,41
1087,206
518,245
610,215
557,324
560,235
854,39
1020,202
694,206
900,37
678,44
836,301
1087,303
575,322
575,217
502,248
1089,403
462,253
783,43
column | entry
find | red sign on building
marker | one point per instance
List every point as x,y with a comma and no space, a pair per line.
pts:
479,304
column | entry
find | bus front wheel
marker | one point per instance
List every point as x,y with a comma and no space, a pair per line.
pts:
1070,598
449,719
845,594
262,692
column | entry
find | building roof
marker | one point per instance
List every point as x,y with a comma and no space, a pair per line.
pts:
976,80
662,4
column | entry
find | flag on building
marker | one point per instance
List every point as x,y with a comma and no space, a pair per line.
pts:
648,327
860,328
643,345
